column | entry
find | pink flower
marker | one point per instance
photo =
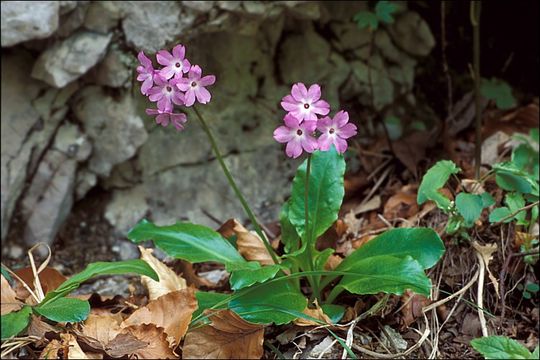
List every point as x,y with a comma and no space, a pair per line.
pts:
146,73
166,93
335,131
194,86
175,64
297,135
164,117
304,104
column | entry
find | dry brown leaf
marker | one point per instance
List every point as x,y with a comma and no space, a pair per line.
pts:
54,350
157,346
486,251
39,327
8,298
401,205
168,282
373,204
74,350
316,313
49,278
250,245
332,262
413,307
103,328
187,271
228,336
172,312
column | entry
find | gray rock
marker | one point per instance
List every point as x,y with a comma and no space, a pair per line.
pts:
348,36
85,181
72,142
202,6
26,20
19,121
72,20
102,16
49,198
115,69
68,60
113,126
126,208
126,250
149,25
412,34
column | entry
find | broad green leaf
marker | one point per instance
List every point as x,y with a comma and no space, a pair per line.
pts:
207,300
470,207
418,125
433,180
515,201
65,310
101,268
325,193
334,312
487,199
289,236
386,274
15,322
422,244
509,177
499,91
532,287
384,11
500,347
5,273
320,258
500,213
186,241
536,353
534,134
366,20
244,277
258,305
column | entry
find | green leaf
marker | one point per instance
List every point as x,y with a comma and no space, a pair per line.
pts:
5,273
258,305
536,353
15,322
325,193
422,244
500,347
321,257
255,273
366,20
499,91
527,295
433,180
487,199
65,310
186,241
454,224
207,300
532,287
386,274
289,236
470,207
509,177
334,312
384,10
101,268
500,213
534,134
515,202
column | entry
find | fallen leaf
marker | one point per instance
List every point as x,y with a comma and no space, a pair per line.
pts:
49,278
54,350
473,186
228,336
373,204
486,251
74,350
401,205
103,328
168,282
187,271
250,245
332,262
172,312
524,239
39,328
412,308
410,150
491,146
316,313
157,346
8,298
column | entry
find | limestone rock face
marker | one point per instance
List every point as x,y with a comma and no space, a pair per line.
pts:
27,20
68,60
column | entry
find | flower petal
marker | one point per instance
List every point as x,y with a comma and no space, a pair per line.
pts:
144,60
179,51
293,149
152,111
289,104
283,134
164,57
341,145
324,124
299,92
167,72
163,119
309,126
207,80
291,121
195,72
309,144
321,107
324,142
147,85
347,131
314,93
189,97
203,95
341,118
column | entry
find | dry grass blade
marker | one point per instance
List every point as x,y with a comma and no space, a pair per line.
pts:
168,282
172,312
227,337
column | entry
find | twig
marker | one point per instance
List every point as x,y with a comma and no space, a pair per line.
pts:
480,294
475,21
525,208
457,293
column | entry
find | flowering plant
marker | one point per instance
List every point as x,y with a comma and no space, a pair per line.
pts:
269,290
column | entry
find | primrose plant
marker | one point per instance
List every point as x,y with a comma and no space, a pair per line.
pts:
271,293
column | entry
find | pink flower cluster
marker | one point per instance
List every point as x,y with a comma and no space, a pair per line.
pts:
176,83
304,107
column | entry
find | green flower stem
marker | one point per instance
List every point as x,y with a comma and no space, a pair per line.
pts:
239,195
308,236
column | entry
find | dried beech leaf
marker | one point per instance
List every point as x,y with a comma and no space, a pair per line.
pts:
172,312
250,245
38,327
168,282
332,262
228,336
124,344
74,350
413,307
49,278
54,350
316,313
157,345
8,298
103,328
401,205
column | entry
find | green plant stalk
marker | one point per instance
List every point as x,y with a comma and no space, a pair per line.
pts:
239,195
475,21
308,235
